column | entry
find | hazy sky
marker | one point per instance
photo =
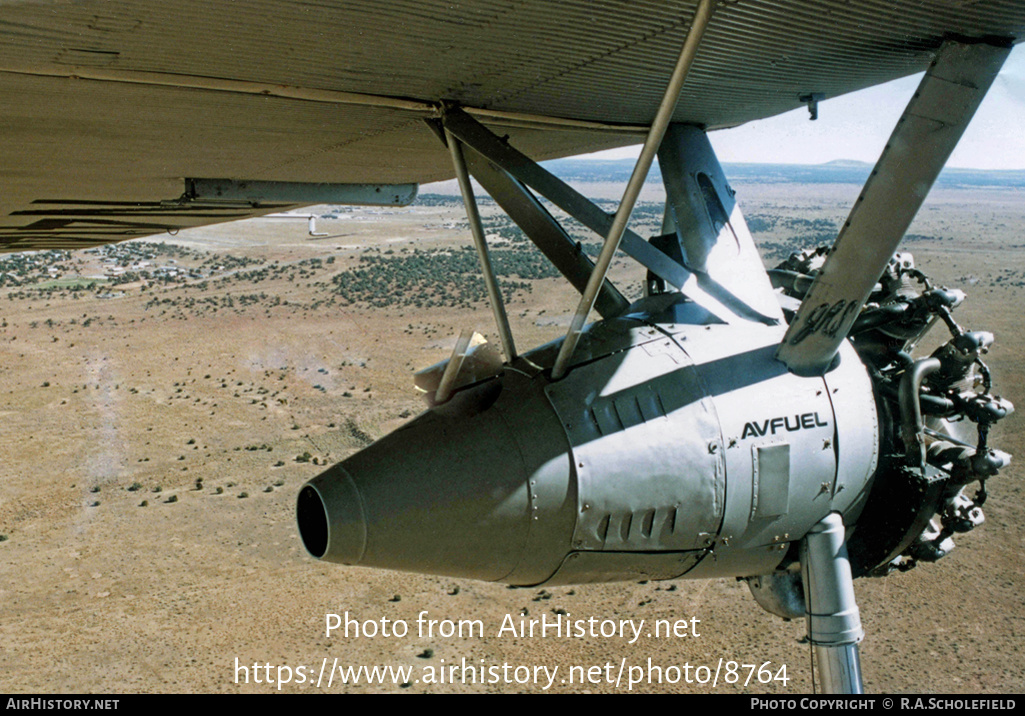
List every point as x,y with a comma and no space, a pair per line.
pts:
857,125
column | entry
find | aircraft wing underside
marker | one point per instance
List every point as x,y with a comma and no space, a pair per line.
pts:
107,107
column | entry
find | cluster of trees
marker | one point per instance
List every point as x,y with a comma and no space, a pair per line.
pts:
428,278
226,301
438,200
227,262
797,233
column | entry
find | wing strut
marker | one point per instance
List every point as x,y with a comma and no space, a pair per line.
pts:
537,224
697,287
709,227
476,136
700,288
702,16
542,228
494,293
923,139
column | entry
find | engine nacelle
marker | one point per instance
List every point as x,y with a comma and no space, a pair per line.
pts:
665,443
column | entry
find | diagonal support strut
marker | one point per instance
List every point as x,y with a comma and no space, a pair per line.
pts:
698,287
702,16
494,292
536,222
476,136
542,228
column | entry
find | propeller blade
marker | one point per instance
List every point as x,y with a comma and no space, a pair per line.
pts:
926,134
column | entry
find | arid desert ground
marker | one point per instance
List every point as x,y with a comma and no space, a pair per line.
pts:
163,402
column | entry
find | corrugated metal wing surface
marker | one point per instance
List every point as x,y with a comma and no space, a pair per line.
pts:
123,131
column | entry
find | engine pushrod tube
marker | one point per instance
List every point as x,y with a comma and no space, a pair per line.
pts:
911,407
702,16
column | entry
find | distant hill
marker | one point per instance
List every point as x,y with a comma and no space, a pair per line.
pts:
841,171
847,163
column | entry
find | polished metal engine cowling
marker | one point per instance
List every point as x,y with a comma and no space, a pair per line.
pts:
664,444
